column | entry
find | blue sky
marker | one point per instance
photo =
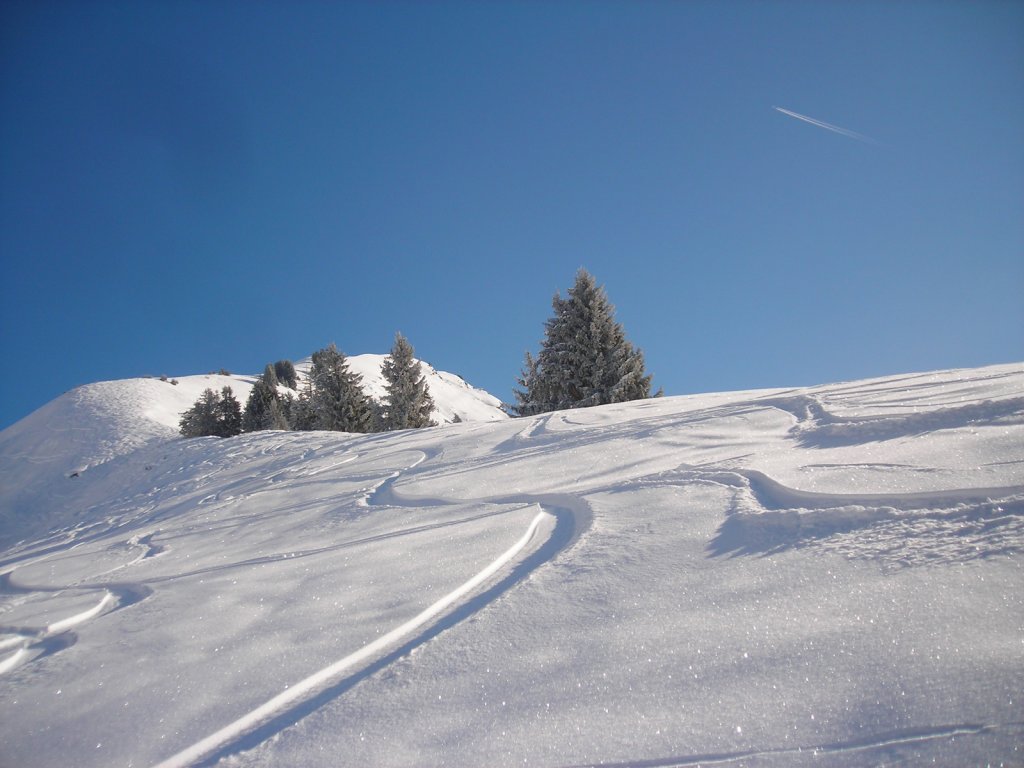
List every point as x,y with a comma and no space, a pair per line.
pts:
192,186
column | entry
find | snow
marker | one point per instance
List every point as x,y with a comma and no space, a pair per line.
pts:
97,423
829,575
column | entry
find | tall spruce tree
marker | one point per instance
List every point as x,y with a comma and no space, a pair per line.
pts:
337,395
407,402
584,359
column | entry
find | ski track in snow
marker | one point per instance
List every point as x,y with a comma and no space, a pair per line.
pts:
817,427
567,517
307,688
902,738
895,529
766,516
32,643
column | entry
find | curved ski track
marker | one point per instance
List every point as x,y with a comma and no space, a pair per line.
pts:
32,643
561,519
766,516
559,522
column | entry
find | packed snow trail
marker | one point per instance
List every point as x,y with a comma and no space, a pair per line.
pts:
309,686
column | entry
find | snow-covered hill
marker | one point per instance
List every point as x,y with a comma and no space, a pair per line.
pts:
826,576
95,423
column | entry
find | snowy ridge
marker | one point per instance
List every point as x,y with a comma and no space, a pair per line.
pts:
680,581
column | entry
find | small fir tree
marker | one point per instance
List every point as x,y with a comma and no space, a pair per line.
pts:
201,419
260,411
407,402
229,414
302,414
530,398
585,358
286,375
276,418
212,415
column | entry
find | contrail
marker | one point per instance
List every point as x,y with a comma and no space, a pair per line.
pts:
827,126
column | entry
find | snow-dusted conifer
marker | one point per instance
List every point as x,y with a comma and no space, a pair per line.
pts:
212,415
259,408
337,396
407,402
302,415
201,419
286,375
276,417
585,358
529,397
229,412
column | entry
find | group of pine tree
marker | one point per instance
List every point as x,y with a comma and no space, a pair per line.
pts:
331,398
584,360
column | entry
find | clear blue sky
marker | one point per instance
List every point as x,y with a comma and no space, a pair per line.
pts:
191,186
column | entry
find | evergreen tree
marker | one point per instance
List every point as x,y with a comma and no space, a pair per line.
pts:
229,414
262,409
376,415
286,374
302,415
530,398
287,402
407,402
201,419
212,415
337,396
585,358
276,418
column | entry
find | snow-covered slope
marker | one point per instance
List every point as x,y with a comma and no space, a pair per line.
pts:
82,429
95,423
826,576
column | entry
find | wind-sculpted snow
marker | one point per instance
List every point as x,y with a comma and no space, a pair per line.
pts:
828,575
951,526
817,428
